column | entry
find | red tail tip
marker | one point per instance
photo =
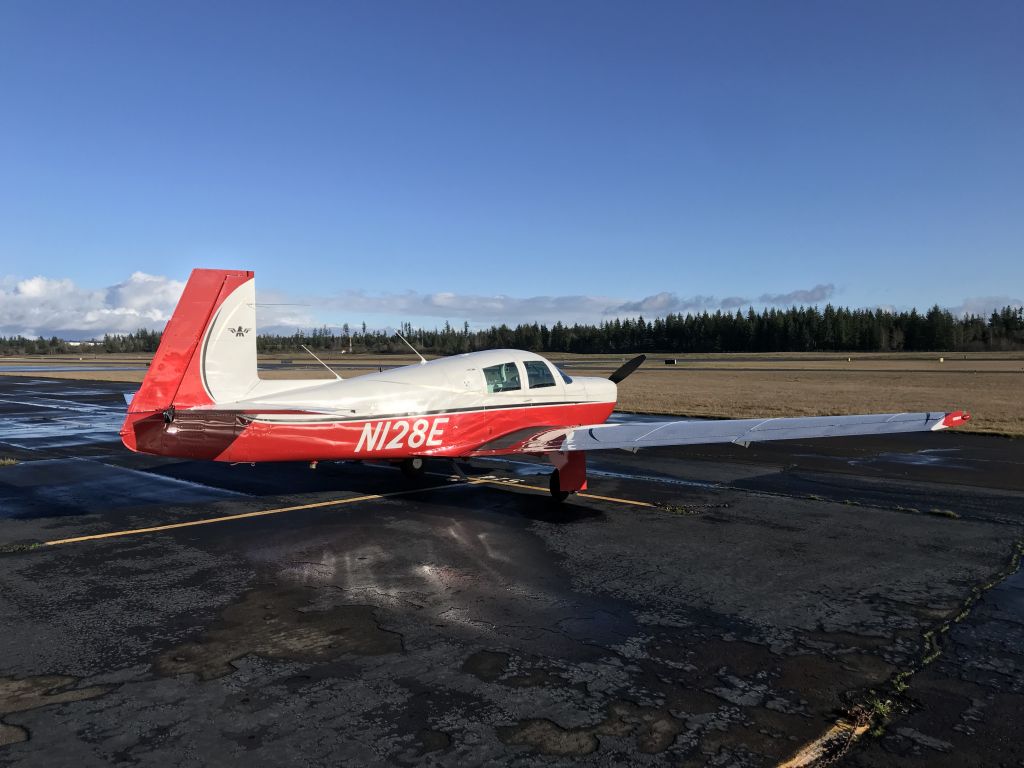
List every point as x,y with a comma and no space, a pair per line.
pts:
956,419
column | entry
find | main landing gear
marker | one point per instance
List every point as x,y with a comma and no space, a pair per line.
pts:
413,468
570,475
554,484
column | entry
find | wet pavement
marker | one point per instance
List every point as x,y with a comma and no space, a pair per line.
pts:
718,606
65,367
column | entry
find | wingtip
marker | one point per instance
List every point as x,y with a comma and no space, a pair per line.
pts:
955,419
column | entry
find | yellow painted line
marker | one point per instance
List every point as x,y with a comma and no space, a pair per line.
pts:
613,499
617,500
321,504
243,515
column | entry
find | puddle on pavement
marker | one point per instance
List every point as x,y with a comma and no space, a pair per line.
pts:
653,731
280,624
23,694
929,457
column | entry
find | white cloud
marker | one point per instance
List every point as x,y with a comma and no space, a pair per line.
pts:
41,287
816,294
47,306
42,306
472,307
983,306
665,302
662,304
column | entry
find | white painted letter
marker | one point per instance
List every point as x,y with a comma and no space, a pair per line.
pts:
369,436
435,439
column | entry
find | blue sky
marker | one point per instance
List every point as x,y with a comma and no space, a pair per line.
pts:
423,161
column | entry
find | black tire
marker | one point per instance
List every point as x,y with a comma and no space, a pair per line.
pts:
557,494
413,468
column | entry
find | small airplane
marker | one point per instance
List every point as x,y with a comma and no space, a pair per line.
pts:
202,398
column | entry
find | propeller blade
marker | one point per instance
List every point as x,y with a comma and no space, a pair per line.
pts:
628,368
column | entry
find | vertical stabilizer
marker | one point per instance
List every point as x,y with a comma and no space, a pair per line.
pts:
208,350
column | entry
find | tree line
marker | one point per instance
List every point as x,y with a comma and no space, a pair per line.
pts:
797,329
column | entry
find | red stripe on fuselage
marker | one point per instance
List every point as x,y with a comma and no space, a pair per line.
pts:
240,438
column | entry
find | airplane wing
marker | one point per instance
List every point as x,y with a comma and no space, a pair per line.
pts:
596,437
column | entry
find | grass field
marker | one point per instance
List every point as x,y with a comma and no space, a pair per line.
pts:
990,385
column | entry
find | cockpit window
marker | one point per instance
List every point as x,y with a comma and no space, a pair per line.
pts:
565,376
538,374
502,378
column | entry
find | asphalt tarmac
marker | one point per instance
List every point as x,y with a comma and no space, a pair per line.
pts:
854,599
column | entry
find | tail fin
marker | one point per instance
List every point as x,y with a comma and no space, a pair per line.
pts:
208,350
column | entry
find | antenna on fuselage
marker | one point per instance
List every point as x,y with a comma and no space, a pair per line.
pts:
423,360
325,365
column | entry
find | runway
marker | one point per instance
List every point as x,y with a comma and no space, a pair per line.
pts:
705,606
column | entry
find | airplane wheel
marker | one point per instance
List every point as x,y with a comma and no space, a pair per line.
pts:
556,492
413,468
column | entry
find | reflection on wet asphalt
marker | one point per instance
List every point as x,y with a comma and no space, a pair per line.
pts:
40,414
770,589
56,487
58,368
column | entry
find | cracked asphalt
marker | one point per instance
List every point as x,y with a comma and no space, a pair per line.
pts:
750,600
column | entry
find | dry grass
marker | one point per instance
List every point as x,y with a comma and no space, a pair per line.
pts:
842,366
7,461
994,399
989,385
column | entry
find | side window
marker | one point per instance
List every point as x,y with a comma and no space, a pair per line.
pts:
502,378
538,374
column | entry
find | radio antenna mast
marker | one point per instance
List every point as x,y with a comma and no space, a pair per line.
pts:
423,360
325,365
